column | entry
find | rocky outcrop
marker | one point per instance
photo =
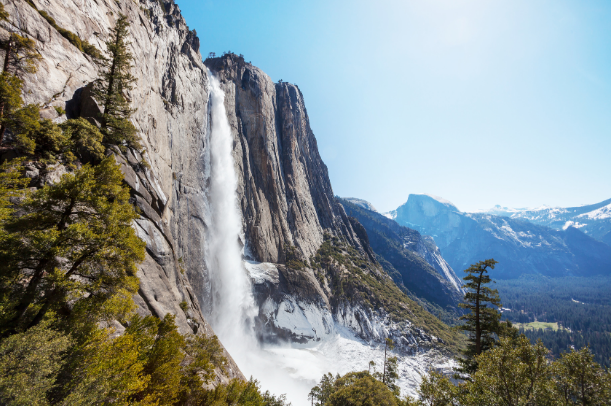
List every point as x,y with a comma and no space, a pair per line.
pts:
297,305
284,188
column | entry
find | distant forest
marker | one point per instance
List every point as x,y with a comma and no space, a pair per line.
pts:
580,306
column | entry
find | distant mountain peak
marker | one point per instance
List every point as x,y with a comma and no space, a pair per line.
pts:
437,198
361,203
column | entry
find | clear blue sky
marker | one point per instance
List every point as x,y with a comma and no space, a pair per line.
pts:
481,102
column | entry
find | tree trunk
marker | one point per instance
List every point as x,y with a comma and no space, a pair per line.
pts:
111,83
478,329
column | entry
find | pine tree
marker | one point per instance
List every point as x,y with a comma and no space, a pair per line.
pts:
111,88
580,380
72,242
389,375
483,320
20,55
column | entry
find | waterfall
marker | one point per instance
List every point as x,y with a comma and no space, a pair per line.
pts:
231,291
231,308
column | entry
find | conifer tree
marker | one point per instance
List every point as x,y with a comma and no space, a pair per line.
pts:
580,380
111,88
20,55
72,242
483,320
389,375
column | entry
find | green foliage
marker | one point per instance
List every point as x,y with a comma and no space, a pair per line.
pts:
21,120
111,87
3,14
11,185
163,366
29,364
293,259
239,392
21,55
437,390
73,242
580,380
389,374
48,137
482,322
353,389
102,370
85,139
60,111
322,392
515,372
580,306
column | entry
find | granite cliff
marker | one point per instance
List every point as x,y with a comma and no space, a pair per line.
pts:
172,101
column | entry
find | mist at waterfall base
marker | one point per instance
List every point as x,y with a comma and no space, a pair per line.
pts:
282,369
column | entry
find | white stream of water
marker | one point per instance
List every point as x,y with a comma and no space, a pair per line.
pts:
292,370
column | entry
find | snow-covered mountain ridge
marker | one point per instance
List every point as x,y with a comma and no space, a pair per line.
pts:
523,243
593,219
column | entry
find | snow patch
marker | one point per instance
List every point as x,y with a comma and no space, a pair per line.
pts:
599,214
575,224
261,272
341,353
390,215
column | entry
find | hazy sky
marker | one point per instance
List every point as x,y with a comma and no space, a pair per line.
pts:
481,102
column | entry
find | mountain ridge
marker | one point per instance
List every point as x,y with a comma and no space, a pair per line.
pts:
521,247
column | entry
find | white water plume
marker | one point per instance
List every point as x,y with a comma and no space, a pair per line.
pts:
232,298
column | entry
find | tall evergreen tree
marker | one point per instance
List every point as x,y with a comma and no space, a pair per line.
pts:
482,321
111,88
73,242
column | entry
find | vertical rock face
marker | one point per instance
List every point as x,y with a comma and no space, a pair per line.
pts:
285,191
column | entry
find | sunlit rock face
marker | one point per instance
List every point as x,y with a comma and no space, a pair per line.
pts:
285,192
520,246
